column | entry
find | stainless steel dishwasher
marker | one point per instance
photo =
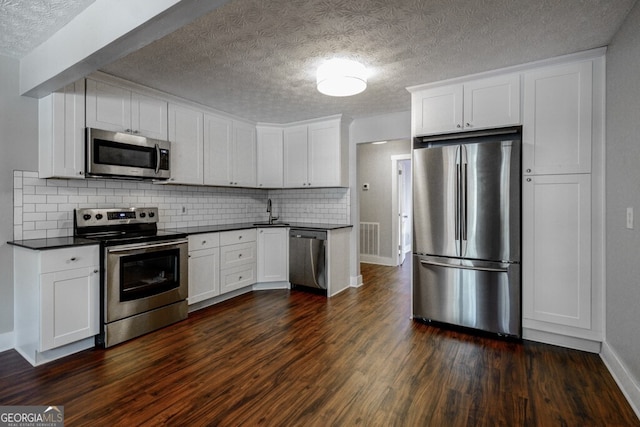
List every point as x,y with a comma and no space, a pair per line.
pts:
308,260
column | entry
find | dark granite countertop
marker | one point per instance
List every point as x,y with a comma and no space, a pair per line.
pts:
53,243
241,226
64,242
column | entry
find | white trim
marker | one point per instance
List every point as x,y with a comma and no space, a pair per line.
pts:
395,238
583,344
266,286
573,57
356,281
7,341
380,260
628,385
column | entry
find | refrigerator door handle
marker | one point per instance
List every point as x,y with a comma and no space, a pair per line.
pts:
464,267
457,210
463,220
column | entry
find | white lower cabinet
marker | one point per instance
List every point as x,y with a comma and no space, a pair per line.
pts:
237,259
273,254
556,246
204,267
57,294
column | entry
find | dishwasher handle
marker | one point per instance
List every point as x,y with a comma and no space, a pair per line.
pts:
307,234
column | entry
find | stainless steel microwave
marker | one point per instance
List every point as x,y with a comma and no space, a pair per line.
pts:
119,154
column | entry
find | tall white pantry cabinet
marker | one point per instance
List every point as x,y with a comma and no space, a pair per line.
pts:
560,105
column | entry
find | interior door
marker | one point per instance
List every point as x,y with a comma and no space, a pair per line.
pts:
435,200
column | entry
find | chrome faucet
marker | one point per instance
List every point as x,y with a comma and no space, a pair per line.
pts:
269,209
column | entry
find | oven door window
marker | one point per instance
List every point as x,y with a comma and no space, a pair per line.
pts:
149,274
118,154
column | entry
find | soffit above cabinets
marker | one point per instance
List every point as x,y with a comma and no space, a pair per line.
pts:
257,59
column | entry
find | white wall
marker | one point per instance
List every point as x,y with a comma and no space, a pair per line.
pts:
622,191
18,142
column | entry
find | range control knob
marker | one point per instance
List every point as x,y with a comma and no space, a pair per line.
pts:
86,217
142,214
151,214
99,217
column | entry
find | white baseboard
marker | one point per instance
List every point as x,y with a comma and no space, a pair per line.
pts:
622,377
356,281
582,344
380,260
265,286
7,341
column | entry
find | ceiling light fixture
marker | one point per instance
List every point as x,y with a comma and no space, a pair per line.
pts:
341,77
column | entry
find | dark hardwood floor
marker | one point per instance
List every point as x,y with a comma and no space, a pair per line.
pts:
282,358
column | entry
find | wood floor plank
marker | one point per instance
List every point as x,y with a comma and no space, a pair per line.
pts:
287,358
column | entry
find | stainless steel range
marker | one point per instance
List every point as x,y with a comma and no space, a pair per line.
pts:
144,278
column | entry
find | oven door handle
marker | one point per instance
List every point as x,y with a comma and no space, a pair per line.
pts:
145,246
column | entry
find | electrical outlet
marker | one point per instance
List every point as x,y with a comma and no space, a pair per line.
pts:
630,218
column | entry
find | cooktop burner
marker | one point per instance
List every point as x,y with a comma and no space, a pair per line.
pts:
120,225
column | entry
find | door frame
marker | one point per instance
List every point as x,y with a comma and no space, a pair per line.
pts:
395,205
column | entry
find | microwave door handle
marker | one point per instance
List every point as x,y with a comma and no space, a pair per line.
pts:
157,159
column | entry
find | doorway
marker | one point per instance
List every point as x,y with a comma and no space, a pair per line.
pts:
401,206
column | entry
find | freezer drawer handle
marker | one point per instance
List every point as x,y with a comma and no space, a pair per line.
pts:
464,267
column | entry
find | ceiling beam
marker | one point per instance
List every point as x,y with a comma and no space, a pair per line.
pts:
105,31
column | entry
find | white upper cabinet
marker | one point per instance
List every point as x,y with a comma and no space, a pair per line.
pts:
295,157
325,154
314,155
557,123
230,152
270,156
117,109
185,134
244,154
61,132
477,104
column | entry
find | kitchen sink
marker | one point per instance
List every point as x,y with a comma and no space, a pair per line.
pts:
272,224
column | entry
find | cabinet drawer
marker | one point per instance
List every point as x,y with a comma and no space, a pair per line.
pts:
69,258
240,254
204,241
236,278
237,236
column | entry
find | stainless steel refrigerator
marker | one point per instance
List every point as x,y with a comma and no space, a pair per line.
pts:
466,233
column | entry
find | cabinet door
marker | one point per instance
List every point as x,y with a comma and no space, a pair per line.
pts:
556,133
218,149
108,107
295,157
61,132
69,302
437,110
185,134
270,157
492,102
148,116
324,154
244,155
204,274
556,246
273,254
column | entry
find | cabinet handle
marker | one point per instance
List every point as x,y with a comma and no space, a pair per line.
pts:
239,277
128,130
80,172
239,255
136,131
96,271
73,259
468,125
239,237
458,126
528,179
528,170
204,242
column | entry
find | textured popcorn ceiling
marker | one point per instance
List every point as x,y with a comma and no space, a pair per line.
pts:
25,24
257,58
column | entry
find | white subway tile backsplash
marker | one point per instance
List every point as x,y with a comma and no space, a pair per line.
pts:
47,205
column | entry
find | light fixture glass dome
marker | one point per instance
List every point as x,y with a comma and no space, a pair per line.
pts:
341,77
